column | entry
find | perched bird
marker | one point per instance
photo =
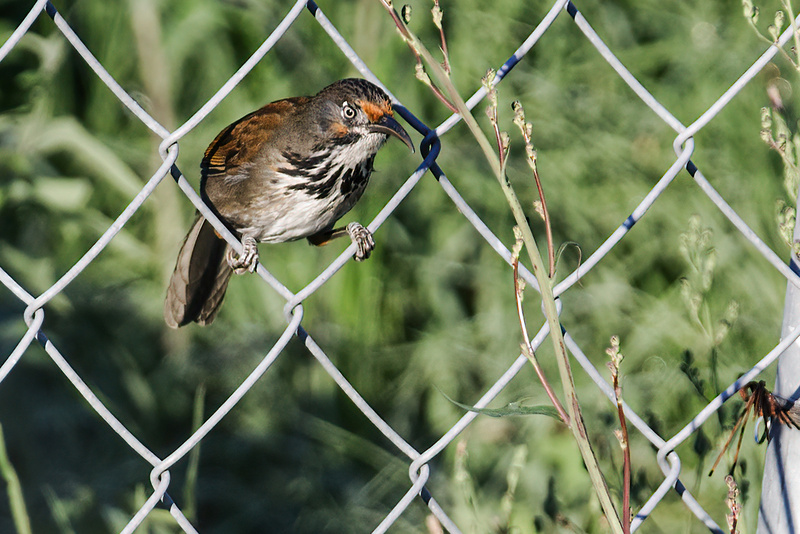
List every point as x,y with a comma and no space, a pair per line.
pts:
286,171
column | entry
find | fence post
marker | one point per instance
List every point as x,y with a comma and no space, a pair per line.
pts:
779,512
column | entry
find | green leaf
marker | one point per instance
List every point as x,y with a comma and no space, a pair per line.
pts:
16,499
512,408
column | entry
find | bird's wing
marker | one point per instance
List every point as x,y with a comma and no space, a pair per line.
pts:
239,143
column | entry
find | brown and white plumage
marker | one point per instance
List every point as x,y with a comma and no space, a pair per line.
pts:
287,171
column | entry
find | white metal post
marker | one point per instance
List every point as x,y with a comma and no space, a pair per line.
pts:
779,512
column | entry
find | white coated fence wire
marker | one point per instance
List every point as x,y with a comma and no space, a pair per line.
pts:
419,471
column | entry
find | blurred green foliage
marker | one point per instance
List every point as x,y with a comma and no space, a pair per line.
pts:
433,308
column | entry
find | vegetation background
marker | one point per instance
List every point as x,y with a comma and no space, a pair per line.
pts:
431,312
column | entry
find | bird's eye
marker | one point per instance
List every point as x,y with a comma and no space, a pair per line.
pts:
348,112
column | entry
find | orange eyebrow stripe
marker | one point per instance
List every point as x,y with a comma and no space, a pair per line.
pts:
373,111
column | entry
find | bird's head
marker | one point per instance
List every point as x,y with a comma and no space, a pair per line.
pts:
359,111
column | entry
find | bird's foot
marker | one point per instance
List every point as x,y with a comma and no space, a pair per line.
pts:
362,238
247,261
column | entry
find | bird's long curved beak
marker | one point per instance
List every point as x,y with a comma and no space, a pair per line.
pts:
387,125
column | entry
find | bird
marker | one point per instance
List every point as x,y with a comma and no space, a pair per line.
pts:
287,171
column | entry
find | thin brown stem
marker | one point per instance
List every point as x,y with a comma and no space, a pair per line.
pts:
769,41
781,150
526,128
626,459
551,255
577,425
501,151
528,349
441,96
409,39
616,356
437,20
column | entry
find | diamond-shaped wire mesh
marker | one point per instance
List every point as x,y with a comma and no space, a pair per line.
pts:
419,459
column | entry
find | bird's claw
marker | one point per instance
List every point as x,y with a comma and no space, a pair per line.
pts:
245,262
362,239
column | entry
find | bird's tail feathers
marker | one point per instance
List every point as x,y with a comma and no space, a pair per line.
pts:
200,278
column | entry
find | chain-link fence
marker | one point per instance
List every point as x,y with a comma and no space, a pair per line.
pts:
421,485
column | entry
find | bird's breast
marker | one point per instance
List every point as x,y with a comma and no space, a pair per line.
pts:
288,206
289,195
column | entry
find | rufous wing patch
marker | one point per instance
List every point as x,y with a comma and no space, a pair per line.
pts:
237,143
